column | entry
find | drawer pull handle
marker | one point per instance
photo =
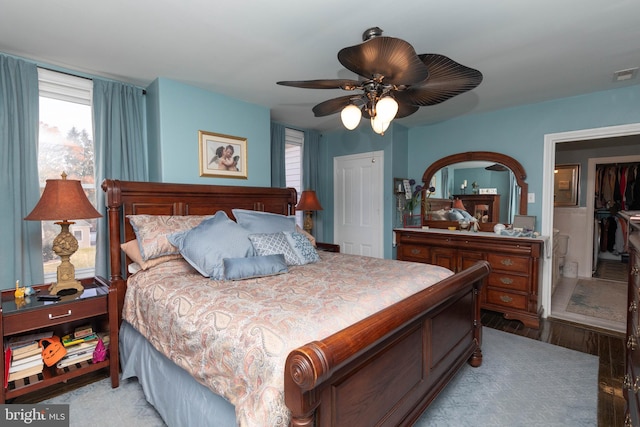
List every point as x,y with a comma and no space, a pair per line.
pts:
506,261
505,298
415,251
626,384
631,343
52,317
635,271
633,307
506,280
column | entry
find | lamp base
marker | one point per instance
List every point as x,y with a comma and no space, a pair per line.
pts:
57,287
64,245
307,224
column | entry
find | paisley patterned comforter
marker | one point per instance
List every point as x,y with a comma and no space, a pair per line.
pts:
234,336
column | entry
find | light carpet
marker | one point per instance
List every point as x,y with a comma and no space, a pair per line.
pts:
599,298
521,382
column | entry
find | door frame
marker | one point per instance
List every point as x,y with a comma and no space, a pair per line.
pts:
549,160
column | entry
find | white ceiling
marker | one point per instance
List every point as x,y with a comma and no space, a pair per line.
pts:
528,51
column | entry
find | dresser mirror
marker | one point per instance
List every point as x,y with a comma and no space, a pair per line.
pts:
491,186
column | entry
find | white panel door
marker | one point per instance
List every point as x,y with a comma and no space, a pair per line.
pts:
358,203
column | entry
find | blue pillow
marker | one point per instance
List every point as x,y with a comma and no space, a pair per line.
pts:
206,245
455,215
274,243
465,215
264,222
302,247
255,266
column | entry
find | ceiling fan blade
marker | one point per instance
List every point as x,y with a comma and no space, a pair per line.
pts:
393,58
345,84
335,105
405,110
446,79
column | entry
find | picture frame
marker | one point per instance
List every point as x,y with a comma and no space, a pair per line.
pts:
222,156
566,185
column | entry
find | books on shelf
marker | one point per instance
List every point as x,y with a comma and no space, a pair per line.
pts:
82,331
25,373
82,351
33,350
31,362
69,340
26,345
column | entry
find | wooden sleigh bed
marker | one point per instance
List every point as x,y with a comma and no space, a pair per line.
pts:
382,370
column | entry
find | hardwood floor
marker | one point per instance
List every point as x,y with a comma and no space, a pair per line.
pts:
608,346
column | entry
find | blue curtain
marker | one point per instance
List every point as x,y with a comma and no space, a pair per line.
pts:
310,160
21,248
278,172
120,147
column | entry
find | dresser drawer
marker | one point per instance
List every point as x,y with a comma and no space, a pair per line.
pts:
508,281
508,262
417,253
506,299
54,314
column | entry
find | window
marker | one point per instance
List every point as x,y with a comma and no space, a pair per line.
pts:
294,141
65,144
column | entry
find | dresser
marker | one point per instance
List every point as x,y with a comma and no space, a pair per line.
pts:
512,286
631,384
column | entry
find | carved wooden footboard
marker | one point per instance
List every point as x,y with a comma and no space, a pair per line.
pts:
383,370
386,369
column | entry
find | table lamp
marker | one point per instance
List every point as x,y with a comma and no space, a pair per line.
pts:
457,204
63,199
308,203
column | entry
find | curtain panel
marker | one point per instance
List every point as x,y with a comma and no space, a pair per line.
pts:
21,249
120,147
278,172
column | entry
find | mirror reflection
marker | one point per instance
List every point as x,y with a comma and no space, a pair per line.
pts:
487,190
490,187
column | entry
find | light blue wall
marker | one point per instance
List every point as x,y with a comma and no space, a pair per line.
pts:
178,111
519,132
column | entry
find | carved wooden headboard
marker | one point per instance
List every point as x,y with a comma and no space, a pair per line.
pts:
151,198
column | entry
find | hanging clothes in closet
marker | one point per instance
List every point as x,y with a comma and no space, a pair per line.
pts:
617,186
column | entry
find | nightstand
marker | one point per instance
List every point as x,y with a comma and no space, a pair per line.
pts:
327,247
96,305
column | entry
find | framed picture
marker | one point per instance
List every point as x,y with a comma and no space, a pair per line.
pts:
566,182
222,156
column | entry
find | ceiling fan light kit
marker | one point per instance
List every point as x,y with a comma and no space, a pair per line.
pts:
395,81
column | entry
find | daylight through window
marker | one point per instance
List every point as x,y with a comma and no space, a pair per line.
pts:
65,144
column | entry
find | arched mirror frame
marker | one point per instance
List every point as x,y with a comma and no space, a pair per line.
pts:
509,162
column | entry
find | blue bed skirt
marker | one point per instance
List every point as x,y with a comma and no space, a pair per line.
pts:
179,399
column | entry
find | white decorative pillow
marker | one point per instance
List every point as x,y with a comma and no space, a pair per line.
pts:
303,248
274,243
152,231
206,245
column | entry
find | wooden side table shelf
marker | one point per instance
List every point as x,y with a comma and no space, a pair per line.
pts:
96,305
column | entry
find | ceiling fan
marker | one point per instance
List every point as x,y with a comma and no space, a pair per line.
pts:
394,81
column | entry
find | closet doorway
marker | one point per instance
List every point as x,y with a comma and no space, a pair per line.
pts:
579,147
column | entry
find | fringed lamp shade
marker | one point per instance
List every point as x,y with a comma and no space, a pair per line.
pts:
61,201
308,202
